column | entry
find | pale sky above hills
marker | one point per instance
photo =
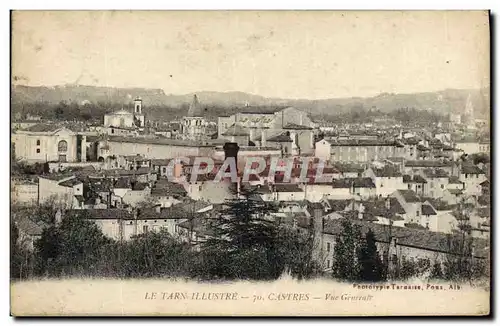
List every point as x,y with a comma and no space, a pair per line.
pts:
277,54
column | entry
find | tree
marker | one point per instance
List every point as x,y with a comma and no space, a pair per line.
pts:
72,248
154,254
436,271
294,252
371,267
345,263
244,241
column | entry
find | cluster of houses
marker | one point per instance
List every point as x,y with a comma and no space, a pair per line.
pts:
411,190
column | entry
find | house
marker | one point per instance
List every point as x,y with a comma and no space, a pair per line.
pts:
29,230
160,166
357,150
417,166
347,188
45,142
411,203
437,182
167,193
24,192
415,183
438,215
60,189
472,177
386,180
286,192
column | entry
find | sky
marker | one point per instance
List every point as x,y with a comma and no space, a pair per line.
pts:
308,54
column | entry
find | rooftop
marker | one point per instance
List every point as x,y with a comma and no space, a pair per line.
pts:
353,182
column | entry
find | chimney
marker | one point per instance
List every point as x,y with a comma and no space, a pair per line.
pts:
158,208
361,210
231,150
263,141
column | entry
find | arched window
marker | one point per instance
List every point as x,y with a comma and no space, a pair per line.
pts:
38,142
62,146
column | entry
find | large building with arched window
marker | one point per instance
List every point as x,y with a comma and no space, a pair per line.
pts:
49,143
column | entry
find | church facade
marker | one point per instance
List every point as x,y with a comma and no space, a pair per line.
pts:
124,119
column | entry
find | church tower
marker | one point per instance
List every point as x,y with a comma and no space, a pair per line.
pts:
138,106
138,116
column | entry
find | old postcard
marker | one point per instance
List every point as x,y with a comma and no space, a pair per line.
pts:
250,163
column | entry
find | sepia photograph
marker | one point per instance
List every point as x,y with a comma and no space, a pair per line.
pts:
250,163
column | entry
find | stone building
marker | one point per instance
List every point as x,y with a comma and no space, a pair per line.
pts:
49,143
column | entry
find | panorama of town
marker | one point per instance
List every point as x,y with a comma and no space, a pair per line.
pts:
397,198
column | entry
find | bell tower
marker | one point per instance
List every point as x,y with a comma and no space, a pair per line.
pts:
138,105
138,116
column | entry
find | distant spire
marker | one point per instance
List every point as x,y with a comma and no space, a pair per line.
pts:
195,108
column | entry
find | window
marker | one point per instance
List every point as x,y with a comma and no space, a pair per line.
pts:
62,158
442,186
328,263
112,131
164,169
62,146
409,186
328,246
38,142
418,213
38,150
145,228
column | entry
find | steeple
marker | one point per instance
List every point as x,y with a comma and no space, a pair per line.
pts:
194,108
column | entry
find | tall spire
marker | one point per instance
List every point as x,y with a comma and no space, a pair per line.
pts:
195,108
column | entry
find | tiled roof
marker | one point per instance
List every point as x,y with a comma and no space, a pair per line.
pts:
295,126
337,205
427,163
387,172
160,162
415,179
287,188
139,186
438,204
281,138
122,183
363,142
103,214
471,169
455,191
454,180
30,227
484,211
428,210
356,182
44,127
70,183
167,188
409,196
236,130
436,173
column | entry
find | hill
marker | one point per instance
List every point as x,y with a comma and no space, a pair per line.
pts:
444,102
